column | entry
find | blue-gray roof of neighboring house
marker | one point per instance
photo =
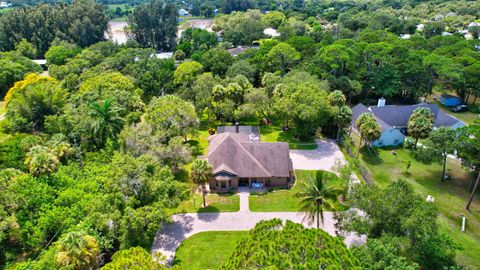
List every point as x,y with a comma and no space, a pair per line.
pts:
359,109
398,115
449,96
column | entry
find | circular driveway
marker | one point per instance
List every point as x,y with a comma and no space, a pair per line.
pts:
169,238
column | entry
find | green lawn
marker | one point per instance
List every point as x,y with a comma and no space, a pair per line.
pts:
273,133
215,203
450,196
199,142
207,250
3,10
285,200
123,7
120,19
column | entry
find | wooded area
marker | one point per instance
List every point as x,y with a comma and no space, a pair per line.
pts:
94,153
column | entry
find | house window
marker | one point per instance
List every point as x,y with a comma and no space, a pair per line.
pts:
396,141
380,142
223,184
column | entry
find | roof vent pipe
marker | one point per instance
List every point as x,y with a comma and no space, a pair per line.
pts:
381,102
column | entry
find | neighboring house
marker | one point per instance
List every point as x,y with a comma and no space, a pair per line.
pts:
393,120
182,12
5,4
41,62
450,101
271,32
240,49
238,158
163,55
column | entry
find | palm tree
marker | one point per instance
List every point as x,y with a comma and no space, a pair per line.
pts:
200,172
315,196
342,119
77,250
368,128
107,122
420,124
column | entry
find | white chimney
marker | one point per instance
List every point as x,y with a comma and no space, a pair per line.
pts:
381,102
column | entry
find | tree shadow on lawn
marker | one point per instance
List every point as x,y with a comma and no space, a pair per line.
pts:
208,209
370,156
197,149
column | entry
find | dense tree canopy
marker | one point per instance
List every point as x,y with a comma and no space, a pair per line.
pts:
13,68
272,244
91,157
405,215
82,22
155,24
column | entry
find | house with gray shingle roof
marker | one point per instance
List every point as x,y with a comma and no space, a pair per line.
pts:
239,158
393,120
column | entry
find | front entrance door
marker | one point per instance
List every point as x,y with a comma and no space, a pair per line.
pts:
223,184
243,182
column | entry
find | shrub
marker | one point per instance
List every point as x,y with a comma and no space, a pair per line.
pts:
424,156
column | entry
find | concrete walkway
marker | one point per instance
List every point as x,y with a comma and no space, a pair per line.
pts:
244,193
185,225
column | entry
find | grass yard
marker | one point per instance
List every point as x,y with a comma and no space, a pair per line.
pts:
285,200
4,10
120,19
271,133
274,133
450,196
207,250
215,203
199,142
123,7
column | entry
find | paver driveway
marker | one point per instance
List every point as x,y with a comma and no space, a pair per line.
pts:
322,158
186,225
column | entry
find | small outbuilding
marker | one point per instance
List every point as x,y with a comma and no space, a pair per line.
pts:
450,101
183,12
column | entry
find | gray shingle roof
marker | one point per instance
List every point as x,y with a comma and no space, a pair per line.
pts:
234,153
398,115
241,129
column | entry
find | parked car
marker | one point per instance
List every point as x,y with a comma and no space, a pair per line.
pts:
461,108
